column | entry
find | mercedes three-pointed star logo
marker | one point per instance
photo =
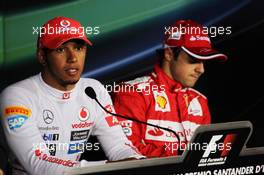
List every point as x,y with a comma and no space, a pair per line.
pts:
48,116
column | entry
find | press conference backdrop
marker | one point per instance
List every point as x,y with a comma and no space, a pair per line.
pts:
129,34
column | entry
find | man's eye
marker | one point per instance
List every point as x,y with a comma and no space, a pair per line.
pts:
60,50
79,48
193,60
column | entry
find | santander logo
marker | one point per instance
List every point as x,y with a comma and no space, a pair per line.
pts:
155,132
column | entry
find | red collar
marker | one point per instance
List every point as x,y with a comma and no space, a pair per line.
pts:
162,78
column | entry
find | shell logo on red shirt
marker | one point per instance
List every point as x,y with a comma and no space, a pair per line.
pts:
161,101
83,114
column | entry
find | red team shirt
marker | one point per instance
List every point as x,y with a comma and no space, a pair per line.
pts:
159,100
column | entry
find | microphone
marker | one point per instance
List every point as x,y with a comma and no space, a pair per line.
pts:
89,91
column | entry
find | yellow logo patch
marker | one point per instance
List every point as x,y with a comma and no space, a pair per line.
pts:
161,101
17,110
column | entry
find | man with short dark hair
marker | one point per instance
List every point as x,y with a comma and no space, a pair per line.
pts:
165,97
48,118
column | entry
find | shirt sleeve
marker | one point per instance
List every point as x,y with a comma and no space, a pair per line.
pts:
133,105
110,133
20,127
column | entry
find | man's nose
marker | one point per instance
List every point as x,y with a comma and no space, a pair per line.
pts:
200,68
71,56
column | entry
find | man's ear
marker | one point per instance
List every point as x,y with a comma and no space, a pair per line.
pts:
168,54
41,57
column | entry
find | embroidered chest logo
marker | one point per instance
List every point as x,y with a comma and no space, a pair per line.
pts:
195,108
161,101
155,132
66,95
83,114
48,116
16,116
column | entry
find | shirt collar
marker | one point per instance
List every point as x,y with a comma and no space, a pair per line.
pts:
163,79
58,94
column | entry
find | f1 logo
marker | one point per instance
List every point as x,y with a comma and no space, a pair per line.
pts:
212,146
224,147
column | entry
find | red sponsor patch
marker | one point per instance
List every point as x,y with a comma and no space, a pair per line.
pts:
83,114
156,132
51,159
66,95
14,110
112,121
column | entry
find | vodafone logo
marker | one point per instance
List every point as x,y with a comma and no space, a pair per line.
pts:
65,23
83,114
82,125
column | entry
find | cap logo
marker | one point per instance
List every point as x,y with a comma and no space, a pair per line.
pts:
65,23
65,27
199,38
192,38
